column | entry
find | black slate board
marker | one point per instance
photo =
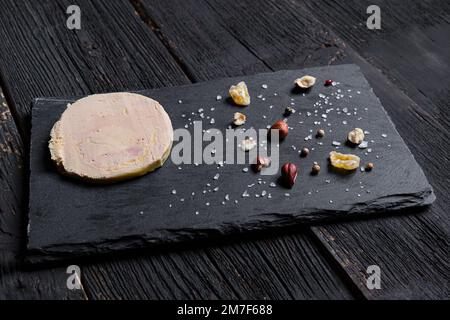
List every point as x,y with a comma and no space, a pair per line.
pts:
69,219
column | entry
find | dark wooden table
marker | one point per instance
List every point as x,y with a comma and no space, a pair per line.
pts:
141,44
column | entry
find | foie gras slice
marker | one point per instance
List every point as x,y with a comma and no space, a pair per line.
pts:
111,137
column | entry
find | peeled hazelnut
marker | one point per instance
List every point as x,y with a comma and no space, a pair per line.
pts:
305,82
369,166
356,136
239,94
282,128
320,133
304,152
248,144
239,119
289,174
315,169
261,162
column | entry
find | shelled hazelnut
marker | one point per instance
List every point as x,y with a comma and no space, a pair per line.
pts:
282,128
369,166
289,174
320,133
304,152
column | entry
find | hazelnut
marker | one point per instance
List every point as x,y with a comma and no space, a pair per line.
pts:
320,133
260,163
315,169
282,128
305,82
289,174
369,166
356,136
304,152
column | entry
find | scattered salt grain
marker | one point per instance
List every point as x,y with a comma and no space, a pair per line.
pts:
363,145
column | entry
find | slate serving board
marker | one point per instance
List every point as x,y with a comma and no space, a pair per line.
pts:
70,219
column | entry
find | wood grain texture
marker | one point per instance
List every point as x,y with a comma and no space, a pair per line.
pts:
11,175
411,49
16,283
116,51
354,244
410,53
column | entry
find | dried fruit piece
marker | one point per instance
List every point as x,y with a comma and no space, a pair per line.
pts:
344,161
305,82
261,162
289,174
328,82
239,119
282,128
356,136
239,94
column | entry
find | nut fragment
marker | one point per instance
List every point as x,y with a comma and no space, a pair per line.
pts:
282,128
305,82
344,161
288,111
289,174
304,152
315,169
239,119
248,144
320,133
356,136
260,163
239,94
369,166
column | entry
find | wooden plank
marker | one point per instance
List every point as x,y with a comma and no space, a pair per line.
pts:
114,50
11,174
16,283
297,39
411,48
